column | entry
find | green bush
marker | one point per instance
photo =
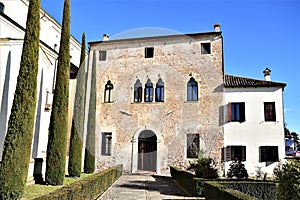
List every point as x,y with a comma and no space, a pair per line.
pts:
214,190
288,177
58,128
89,188
204,168
261,190
17,144
237,169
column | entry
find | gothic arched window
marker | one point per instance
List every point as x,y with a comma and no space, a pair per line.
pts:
108,92
159,91
138,91
192,90
149,91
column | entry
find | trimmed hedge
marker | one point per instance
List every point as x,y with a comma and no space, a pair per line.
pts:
88,188
197,186
214,190
258,189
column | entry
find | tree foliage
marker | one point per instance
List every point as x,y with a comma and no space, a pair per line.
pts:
17,144
89,158
204,168
57,138
237,169
288,177
75,153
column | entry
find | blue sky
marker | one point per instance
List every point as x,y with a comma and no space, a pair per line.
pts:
257,34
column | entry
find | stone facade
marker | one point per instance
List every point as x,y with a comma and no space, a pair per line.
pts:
176,60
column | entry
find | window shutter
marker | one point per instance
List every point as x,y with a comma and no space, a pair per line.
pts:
242,111
243,153
228,153
229,112
223,154
263,154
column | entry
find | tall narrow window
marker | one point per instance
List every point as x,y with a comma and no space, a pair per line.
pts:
149,52
159,91
270,114
106,144
192,90
205,48
149,91
236,112
102,55
192,145
138,91
108,92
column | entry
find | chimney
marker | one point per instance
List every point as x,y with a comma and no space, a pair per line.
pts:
105,37
217,27
267,73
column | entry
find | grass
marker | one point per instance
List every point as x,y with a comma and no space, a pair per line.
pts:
36,190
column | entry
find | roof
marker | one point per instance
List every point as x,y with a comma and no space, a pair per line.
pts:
156,37
236,81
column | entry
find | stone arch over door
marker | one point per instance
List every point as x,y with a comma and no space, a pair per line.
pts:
147,151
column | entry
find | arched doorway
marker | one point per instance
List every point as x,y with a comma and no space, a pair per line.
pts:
147,151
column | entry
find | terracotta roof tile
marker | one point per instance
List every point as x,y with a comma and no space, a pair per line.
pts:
236,81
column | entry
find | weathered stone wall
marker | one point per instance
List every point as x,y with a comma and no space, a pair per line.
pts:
176,59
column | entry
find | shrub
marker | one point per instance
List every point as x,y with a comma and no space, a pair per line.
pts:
204,168
288,177
237,169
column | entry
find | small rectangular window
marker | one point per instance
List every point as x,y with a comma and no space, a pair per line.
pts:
102,55
269,109
149,52
192,145
236,112
268,153
106,144
235,153
205,48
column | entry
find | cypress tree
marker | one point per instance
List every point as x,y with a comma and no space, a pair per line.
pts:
57,138
17,144
75,152
89,156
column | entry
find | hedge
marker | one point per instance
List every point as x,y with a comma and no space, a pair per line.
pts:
89,188
214,190
197,186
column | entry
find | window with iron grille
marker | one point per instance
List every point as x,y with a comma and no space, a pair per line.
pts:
192,145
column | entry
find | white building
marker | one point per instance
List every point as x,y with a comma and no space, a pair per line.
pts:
254,122
13,15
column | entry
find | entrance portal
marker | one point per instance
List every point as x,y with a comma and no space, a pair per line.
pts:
147,151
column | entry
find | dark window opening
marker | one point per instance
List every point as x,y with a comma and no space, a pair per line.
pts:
236,112
268,153
205,48
108,92
106,144
270,114
149,91
102,55
149,52
235,153
192,90
137,91
192,145
159,91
